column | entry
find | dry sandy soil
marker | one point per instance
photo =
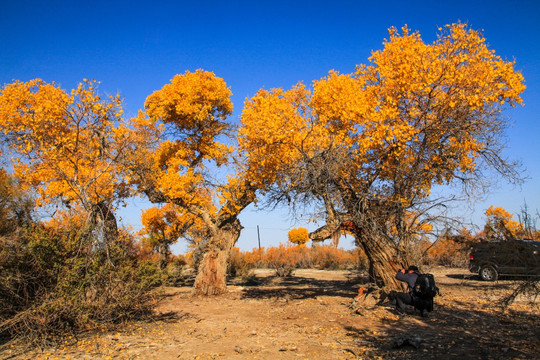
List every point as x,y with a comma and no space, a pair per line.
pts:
308,316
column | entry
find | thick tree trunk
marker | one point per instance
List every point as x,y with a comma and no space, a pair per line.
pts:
371,221
380,251
212,273
381,254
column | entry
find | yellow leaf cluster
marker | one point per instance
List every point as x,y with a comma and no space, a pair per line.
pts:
298,236
274,132
418,113
193,107
191,100
501,222
178,136
66,145
168,223
236,194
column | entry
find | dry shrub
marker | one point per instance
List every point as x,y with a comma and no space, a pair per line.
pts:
55,283
448,252
528,288
240,263
174,272
332,258
285,258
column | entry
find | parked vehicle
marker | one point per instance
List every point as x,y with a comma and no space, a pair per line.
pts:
492,259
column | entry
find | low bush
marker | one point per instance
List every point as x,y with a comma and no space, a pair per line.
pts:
284,259
332,258
54,283
239,264
448,252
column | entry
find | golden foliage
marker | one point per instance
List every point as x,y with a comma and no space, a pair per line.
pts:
419,114
273,130
192,101
66,145
500,224
167,223
178,137
285,258
448,252
16,206
195,105
418,99
298,236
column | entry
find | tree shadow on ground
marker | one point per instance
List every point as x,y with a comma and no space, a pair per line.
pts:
474,281
455,333
171,317
502,278
298,288
474,277
185,280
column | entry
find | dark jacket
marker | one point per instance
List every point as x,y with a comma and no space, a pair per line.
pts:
409,278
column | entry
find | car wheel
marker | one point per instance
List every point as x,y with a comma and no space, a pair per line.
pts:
488,273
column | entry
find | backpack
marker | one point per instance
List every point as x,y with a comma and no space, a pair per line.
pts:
424,287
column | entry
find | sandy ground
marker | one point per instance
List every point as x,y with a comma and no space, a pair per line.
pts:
308,316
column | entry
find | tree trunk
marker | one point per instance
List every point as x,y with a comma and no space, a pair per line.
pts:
380,251
212,273
164,254
368,228
383,259
104,222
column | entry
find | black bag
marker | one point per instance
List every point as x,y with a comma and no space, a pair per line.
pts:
424,287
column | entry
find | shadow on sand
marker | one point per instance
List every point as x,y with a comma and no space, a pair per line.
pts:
298,288
455,333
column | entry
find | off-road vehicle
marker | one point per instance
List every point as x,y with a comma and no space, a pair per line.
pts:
492,259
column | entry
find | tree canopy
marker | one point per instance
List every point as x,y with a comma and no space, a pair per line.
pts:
67,146
373,143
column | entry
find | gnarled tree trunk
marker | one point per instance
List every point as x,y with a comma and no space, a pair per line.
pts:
382,257
381,252
212,273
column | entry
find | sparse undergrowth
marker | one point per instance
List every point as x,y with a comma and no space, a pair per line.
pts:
54,286
307,316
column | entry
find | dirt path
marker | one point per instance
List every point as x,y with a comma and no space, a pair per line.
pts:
307,317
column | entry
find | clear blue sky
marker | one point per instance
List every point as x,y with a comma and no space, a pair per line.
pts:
135,47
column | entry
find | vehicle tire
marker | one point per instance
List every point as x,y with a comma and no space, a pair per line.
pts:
488,273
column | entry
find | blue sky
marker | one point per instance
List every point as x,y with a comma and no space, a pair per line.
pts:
135,47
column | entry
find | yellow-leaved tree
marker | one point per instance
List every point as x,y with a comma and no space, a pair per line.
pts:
500,225
67,147
183,148
370,145
78,270
298,236
179,152
163,226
